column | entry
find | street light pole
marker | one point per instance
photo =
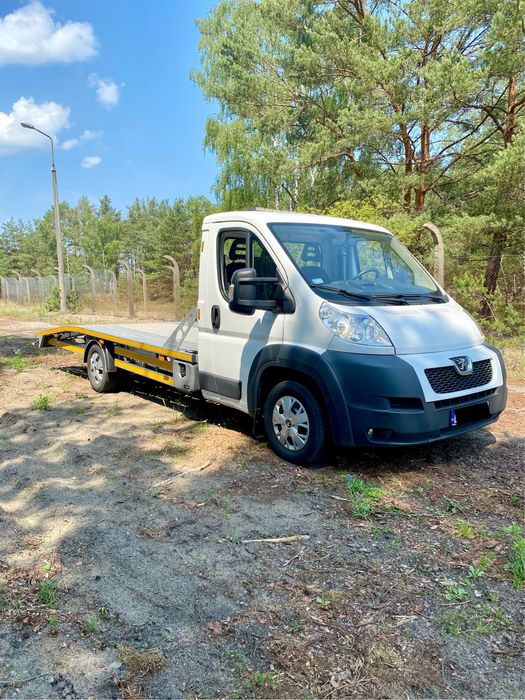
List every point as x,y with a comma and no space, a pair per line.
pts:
58,232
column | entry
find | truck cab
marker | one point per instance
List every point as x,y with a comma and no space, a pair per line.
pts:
329,330
326,330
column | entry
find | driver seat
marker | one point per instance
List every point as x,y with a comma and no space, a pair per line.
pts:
237,255
312,257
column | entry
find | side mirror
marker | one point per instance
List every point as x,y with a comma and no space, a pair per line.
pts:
243,292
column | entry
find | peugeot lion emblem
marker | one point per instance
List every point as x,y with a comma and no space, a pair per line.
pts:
462,365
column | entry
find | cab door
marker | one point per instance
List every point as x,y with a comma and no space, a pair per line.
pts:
236,338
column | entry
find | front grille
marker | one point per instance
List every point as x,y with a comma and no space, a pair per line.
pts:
458,400
445,380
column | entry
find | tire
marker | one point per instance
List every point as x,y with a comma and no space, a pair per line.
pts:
100,379
295,424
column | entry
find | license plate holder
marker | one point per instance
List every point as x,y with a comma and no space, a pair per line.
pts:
469,414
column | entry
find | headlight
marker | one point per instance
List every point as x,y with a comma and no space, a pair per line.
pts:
356,328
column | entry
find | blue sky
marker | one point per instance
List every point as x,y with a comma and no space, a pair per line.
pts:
110,80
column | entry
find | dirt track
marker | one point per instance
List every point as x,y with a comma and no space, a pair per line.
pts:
111,545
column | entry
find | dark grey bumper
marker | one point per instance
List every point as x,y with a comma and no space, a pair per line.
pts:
385,404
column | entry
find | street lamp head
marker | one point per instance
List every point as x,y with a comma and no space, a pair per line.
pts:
26,125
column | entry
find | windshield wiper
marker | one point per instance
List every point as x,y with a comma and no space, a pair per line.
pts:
328,288
403,297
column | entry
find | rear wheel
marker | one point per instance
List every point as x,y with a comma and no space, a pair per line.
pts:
295,424
100,379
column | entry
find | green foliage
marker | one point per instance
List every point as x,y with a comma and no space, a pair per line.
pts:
47,594
516,565
41,403
363,495
52,303
393,113
91,625
464,528
456,594
16,362
99,235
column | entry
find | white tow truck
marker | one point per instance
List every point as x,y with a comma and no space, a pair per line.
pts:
326,330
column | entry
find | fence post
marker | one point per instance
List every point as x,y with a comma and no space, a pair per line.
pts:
131,295
6,283
40,285
144,289
93,285
114,290
19,294
176,283
439,253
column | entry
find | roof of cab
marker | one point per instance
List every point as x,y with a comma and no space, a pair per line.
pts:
260,217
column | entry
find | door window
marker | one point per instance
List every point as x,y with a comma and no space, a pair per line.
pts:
238,250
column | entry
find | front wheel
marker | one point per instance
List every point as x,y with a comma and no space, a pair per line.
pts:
100,379
295,424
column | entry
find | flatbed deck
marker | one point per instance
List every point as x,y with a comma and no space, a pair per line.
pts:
153,337
148,349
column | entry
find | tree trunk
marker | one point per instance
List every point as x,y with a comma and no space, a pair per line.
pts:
409,158
422,189
510,121
421,193
493,268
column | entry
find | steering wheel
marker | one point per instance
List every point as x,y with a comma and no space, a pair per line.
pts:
365,272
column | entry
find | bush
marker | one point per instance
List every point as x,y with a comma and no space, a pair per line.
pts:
52,303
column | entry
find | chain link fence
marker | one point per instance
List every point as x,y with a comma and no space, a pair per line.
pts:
123,292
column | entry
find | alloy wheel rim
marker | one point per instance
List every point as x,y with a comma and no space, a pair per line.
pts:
96,367
290,422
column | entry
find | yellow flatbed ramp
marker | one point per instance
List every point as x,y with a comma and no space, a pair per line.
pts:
148,349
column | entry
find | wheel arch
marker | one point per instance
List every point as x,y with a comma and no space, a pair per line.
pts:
276,363
106,351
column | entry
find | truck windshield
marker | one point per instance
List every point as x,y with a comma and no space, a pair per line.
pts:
356,265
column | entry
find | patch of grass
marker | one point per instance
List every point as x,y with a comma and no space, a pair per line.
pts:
41,403
177,450
114,410
91,625
16,362
141,662
238,659
47,594
260,679
516,565
453,506
154,493
478,570
475,572
323,602
364,495
456,594
473,623
81,410
513,530
424,487
464,529
200,426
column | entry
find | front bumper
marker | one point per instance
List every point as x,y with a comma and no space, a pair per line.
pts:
386,404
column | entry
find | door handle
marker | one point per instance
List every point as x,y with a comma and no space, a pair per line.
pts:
215,317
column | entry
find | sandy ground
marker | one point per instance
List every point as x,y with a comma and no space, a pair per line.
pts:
125,571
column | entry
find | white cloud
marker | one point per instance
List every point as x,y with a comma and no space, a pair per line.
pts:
50,117
90,161
108,92
69,144
31,36
87,135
